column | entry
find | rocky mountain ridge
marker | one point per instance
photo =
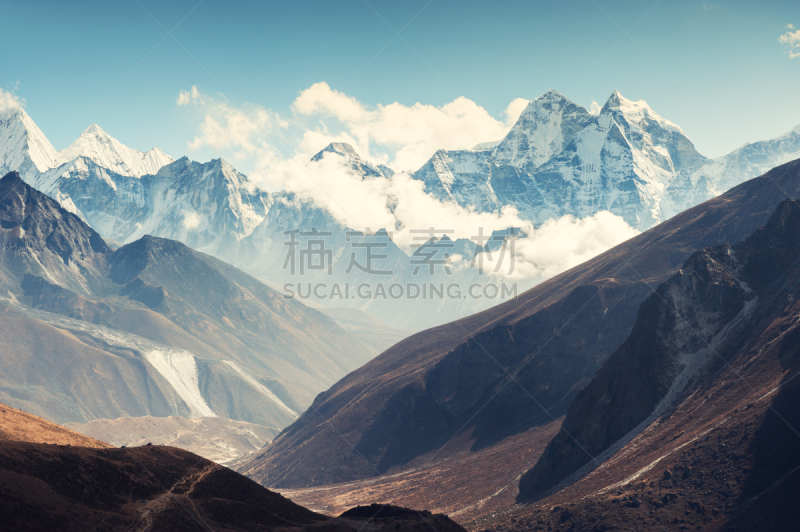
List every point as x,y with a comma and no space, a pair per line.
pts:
94,332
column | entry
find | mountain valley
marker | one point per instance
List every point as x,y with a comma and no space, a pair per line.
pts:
142,306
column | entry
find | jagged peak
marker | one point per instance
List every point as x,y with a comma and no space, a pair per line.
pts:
615,101
94,129
549,101
110,153
785,218
552,94
22,138
636,111
355,161
342,148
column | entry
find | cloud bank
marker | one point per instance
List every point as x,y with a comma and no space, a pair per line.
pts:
411,134
404,137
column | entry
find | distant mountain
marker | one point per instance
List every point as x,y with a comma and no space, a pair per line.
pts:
354,160
718,175
140,336
125,194
218,439
108,152
55,479
209,207
404,406
24,148
265,250
546,126
558,159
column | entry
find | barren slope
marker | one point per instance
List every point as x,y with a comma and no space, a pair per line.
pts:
418,394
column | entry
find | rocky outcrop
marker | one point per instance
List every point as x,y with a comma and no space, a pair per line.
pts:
705,314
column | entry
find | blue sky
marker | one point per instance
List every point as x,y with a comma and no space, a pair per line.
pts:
716,68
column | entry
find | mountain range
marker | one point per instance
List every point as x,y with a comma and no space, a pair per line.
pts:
557,159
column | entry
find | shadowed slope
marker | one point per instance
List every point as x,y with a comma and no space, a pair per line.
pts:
415,396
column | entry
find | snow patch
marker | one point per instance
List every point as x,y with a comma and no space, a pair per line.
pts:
180,370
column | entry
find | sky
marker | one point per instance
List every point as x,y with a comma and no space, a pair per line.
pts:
252,81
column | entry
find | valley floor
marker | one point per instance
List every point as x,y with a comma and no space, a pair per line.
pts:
465,486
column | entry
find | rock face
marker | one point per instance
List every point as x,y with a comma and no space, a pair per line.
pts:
41,238
720,303
93,332
411,400
691,423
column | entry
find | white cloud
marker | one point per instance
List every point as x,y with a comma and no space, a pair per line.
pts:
515,109
245,131
9,100
191,96
402,136
791,41
595,108
398,204
560,244
190,220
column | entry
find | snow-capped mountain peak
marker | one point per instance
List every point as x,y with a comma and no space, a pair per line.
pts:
637,111
543,129
105,150
24,147
552,94
656,140
353,160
